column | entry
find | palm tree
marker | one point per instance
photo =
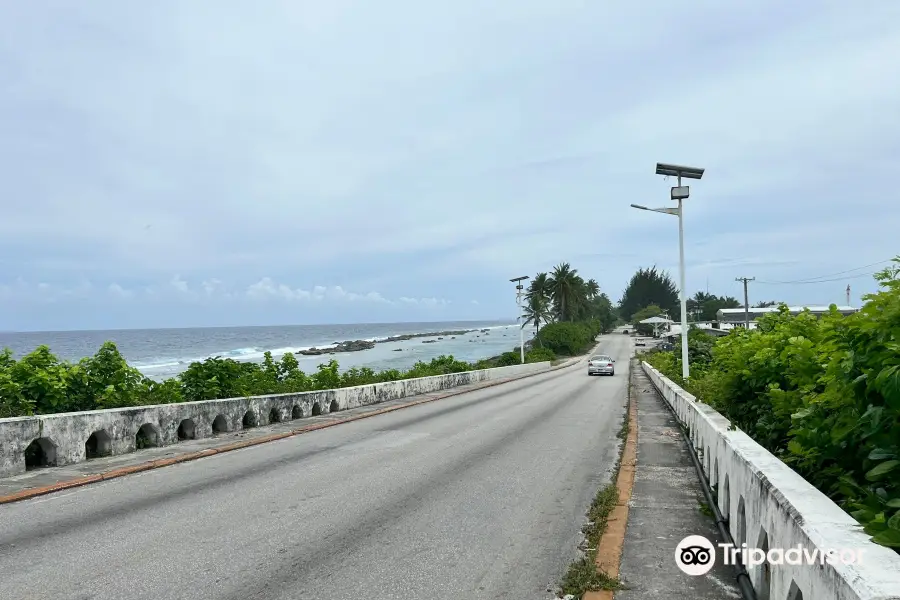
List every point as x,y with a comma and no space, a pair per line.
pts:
593,288
537,311
696,304
565,290
539,286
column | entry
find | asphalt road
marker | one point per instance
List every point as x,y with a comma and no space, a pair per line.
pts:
476,496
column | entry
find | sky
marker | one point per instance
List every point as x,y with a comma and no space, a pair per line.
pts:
220,163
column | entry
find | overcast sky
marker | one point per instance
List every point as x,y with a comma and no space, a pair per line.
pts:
176,163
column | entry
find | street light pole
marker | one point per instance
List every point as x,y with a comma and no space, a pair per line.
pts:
685,368
679,193
519,287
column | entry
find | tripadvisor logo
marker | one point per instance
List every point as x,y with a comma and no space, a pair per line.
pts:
696,555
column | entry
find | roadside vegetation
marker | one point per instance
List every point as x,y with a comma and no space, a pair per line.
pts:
567,312
822,394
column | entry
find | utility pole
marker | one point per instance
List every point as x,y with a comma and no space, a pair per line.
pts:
848,294
746,280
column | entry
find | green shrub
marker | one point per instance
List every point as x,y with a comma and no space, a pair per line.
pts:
822,394
536,355
645,313
568,338
507,359
39,383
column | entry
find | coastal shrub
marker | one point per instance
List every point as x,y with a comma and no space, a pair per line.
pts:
507,359
568,338
536,355
486,363
822,394
40,383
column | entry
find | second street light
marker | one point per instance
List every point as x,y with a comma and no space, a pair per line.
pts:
679,193
519,287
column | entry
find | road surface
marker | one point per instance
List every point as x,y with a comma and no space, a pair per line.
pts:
481,495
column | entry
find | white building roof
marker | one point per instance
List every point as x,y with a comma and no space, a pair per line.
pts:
740,311
656,320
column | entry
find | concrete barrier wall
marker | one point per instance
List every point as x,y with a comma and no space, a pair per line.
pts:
66,438
768,505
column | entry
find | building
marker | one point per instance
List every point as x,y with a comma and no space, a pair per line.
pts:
674,332
735,316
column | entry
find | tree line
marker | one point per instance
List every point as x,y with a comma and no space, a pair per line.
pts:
564,296
652,293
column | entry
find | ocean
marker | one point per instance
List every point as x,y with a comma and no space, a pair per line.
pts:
163,353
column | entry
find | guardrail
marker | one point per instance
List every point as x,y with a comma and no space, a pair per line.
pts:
66,438
770,507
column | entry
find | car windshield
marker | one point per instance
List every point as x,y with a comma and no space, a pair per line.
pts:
601,358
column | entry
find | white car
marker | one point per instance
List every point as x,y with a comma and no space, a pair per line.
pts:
601,364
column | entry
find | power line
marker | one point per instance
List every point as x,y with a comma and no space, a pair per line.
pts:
820,279
801,282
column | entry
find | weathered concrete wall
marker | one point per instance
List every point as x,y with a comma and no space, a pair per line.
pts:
768,505
67,437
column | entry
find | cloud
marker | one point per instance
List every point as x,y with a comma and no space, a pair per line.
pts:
430,151
434,301
265,288
179,285
118,291
261,291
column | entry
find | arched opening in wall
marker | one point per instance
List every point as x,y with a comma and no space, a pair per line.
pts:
146,437
708,458
741,523
763,578
296,412
98,444
250,419
275,415
794,592
714,476
219,425
725,507
334,406
41,452
316,410
187,430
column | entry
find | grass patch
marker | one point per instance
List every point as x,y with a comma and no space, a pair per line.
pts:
583,575
705,509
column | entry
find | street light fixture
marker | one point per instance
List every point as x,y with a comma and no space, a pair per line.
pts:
519,287
679,194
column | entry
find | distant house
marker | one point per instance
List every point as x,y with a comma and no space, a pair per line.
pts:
735,316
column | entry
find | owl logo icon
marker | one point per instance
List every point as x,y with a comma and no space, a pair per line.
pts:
695,555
